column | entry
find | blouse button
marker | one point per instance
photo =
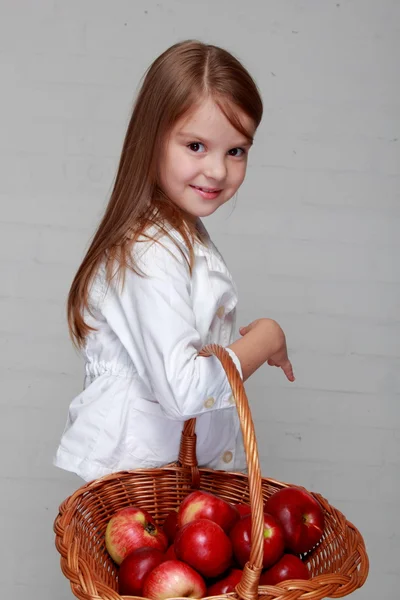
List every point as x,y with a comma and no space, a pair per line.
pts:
232,399
227,456
221,312
209,403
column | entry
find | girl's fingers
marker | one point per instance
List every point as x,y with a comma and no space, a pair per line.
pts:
288,370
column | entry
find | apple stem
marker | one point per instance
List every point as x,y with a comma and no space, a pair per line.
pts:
151,529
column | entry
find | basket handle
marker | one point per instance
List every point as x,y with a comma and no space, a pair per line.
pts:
247,588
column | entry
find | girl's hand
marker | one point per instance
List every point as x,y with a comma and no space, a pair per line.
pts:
244,330
280,357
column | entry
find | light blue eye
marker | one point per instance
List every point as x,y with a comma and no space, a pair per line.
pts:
195,146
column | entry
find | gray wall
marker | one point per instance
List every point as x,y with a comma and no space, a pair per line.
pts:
313,242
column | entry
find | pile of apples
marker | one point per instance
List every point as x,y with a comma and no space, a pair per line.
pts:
204,544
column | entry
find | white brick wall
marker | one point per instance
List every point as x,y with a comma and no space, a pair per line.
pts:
313,242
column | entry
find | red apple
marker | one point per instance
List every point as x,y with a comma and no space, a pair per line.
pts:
170,553
227,584
172,579
288,567
300,516
132,528
134,569
244,509
203,505
204,545
170,525
273,540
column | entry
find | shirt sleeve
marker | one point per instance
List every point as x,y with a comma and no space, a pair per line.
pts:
155,321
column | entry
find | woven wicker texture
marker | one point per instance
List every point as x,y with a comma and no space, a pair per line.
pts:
338,565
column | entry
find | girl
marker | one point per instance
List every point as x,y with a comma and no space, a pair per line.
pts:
153,289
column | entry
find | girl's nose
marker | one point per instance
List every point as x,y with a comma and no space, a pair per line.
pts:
215,169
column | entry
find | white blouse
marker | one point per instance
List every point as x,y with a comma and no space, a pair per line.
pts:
144,377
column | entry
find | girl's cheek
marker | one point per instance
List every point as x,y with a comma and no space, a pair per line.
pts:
189,167
239,177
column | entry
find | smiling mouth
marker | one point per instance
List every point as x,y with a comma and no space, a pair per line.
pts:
207,190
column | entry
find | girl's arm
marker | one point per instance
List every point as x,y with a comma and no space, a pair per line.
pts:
262,341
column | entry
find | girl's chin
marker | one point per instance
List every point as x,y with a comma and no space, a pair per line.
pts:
206,212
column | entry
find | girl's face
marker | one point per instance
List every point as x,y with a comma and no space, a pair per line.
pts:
204,160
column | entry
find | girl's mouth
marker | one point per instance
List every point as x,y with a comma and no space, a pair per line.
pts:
207,193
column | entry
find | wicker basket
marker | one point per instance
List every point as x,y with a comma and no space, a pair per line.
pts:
338,564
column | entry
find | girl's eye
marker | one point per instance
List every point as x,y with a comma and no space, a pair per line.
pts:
196,146
237,152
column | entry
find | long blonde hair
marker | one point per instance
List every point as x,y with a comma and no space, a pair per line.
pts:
173,84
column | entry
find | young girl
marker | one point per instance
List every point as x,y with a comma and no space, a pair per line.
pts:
153,289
